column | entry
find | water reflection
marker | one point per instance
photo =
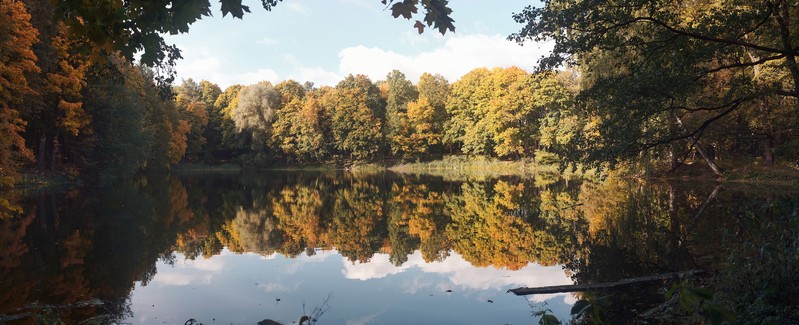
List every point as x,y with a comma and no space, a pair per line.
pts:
226,246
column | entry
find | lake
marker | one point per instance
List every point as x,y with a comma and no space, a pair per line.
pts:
372,248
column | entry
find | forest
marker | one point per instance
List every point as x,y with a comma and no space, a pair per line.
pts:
648,88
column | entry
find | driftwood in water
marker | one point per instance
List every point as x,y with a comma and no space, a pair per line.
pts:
607,285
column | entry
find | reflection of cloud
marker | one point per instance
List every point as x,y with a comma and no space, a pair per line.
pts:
460,273
363,320
568,298
378,266
186,272
278,287
269,257
303,259
417,284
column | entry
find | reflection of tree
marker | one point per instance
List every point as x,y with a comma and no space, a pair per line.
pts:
642,229
299,211
258,231
487,228
417,220
632,231
358,225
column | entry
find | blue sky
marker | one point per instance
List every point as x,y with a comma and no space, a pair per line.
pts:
323,41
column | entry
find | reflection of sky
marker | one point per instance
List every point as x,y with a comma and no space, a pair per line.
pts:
243,289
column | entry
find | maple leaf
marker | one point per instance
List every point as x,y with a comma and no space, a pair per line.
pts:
406,8
420,26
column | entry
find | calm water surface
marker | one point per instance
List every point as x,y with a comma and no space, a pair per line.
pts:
352,249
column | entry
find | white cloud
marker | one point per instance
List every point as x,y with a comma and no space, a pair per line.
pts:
247,78
459,55
361,3
316,75
297,7
268,41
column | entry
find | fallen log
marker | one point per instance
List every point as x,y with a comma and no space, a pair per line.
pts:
607,285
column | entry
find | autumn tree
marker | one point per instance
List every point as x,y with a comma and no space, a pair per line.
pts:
57,119
169,131
356,113
195,102
490,114
426,115
292,95
17,37
399,92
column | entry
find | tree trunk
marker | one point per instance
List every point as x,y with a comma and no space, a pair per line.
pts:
41,157
53,153
780,12
768,150
700,150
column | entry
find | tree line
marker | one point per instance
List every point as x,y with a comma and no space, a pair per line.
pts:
648,89
494,113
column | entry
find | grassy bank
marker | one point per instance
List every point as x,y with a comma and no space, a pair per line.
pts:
478,167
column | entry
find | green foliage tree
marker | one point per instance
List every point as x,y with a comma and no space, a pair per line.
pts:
209,93
656,74
232,143
254,115
121,136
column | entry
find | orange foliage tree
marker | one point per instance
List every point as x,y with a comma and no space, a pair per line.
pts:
17,36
